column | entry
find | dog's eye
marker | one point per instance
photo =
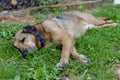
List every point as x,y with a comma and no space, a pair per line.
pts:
22,41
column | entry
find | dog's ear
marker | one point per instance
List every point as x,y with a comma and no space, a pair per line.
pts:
30,29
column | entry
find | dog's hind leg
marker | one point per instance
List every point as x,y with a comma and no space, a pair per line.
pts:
107,22
80,57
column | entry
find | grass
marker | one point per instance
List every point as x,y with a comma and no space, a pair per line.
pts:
102,46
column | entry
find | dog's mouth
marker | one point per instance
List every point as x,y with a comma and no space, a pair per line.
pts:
26,51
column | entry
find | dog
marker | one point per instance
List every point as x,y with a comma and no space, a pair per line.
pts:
62,30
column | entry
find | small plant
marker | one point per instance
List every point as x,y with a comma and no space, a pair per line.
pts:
48,2
82,8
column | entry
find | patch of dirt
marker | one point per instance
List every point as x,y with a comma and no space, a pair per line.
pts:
17,10
15,13
18,18
117,71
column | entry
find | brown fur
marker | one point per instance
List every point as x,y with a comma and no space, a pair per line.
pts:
62,30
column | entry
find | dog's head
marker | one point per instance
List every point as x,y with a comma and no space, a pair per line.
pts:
27,39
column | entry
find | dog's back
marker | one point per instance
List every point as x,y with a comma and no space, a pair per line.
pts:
73,22
76,23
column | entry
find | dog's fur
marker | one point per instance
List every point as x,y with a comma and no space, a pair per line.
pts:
62,30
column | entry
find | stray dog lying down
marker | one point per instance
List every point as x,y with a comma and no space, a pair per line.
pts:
62,30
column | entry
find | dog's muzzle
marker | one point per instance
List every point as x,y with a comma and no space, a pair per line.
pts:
26,51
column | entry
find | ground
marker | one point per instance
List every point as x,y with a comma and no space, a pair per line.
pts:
102,46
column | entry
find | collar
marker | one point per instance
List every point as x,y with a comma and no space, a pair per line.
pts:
33,30
40,39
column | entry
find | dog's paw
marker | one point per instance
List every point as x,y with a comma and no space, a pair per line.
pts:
61,66
84,59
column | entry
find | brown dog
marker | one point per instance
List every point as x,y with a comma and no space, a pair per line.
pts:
62,30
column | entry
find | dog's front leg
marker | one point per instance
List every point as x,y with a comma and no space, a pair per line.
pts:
67,44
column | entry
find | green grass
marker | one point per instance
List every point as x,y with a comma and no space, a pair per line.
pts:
102,46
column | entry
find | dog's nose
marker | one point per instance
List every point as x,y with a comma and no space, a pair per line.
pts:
24,53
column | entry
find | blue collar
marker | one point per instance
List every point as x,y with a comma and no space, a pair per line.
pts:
33,30
40,39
